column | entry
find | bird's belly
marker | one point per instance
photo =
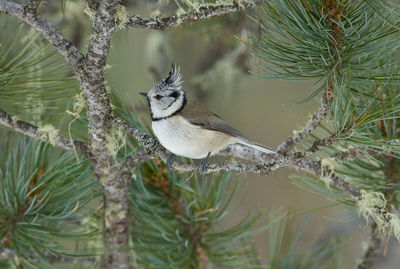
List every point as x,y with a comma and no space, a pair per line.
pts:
187,140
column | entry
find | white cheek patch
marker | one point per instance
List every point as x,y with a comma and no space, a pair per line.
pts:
157,112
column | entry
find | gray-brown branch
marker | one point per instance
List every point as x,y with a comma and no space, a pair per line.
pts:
115,180
204,12
372,251
313,124
33,131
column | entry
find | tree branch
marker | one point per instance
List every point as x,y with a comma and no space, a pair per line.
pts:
203,12
73,56
115,180
313,124
372,250
34,4
146,141
33,131
315,168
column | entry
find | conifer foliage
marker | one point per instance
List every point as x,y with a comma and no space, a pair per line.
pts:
84,184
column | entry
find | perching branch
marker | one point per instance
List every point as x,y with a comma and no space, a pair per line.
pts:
35,132
203,13
269,162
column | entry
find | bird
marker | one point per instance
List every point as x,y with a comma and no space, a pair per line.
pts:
186,128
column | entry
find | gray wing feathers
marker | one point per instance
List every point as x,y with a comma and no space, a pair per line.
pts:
202,117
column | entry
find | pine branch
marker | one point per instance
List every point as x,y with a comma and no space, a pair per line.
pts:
146,141
203,13
270,162
115,183
353,153
372,250
313,124
179,210
315,168
34,4
33,131
73,56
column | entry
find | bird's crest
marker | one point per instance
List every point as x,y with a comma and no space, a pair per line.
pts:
173,80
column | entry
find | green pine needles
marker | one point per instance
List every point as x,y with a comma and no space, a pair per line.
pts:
351,50
44,196
33,77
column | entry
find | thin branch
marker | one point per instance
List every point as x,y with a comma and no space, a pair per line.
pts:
372,250
73,56
146,141
316,146
270,162
33,131
136,159
315,168
34,4
313,124
203,12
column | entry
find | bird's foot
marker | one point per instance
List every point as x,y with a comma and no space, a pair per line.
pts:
170,160
204,163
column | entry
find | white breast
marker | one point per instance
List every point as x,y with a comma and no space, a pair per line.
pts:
187,140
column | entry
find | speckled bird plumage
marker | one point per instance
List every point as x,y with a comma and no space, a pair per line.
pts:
188,129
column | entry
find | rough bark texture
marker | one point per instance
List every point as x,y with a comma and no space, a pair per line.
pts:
33,131
115,184
204,12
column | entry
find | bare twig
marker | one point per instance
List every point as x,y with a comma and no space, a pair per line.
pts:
146,141
314,168
204,12
372,250
315,122
33,131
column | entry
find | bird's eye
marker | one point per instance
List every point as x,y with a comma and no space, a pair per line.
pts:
158,97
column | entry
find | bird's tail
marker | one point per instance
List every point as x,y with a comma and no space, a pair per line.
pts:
257,146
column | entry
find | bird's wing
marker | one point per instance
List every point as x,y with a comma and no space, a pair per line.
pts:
202,117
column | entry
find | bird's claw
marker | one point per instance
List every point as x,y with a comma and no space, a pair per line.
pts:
204,164
170,160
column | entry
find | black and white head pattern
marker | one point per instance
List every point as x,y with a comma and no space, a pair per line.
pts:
167,98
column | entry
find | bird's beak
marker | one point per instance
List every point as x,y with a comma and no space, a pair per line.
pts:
143,93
